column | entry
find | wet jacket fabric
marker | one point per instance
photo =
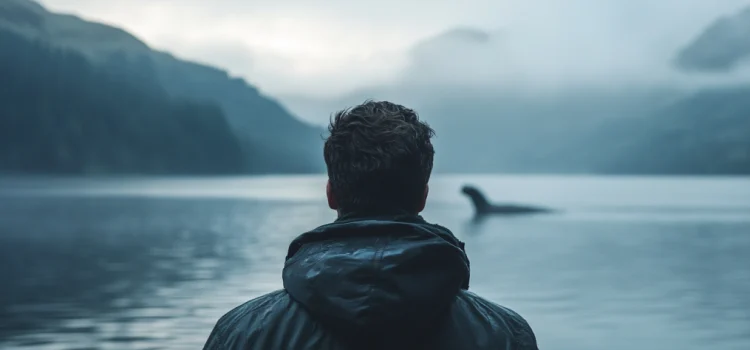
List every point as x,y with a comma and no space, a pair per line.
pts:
394,282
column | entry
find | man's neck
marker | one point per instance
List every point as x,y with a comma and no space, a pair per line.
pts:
373,214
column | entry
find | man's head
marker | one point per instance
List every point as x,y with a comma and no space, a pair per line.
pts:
379,158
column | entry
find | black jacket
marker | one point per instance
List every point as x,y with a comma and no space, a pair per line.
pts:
373,283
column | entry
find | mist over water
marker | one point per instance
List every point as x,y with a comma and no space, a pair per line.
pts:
651,263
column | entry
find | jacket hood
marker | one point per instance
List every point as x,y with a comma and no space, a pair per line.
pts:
365,276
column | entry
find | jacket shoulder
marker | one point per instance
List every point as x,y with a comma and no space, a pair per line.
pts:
272,321
501,320
241,321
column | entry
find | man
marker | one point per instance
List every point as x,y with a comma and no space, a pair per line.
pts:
379,277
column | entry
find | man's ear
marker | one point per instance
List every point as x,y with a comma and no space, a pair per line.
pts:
423,203
331,199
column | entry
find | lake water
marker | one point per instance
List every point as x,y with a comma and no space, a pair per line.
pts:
629,263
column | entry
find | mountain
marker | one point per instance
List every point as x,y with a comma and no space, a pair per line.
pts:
721,47
270,137
468,86
706,133
488,118
60,114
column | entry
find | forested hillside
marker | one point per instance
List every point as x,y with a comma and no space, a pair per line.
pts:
61,114
270,138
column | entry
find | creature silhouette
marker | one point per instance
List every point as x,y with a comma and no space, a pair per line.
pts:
482,207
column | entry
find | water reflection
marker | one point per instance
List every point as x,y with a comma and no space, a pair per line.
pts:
144,272
135,271
667,285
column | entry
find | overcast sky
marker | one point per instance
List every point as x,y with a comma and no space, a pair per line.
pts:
319,48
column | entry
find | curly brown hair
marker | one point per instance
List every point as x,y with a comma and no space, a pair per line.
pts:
379,157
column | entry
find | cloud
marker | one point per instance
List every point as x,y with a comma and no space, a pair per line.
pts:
327,48
597,48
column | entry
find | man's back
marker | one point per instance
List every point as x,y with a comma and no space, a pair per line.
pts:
367,282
